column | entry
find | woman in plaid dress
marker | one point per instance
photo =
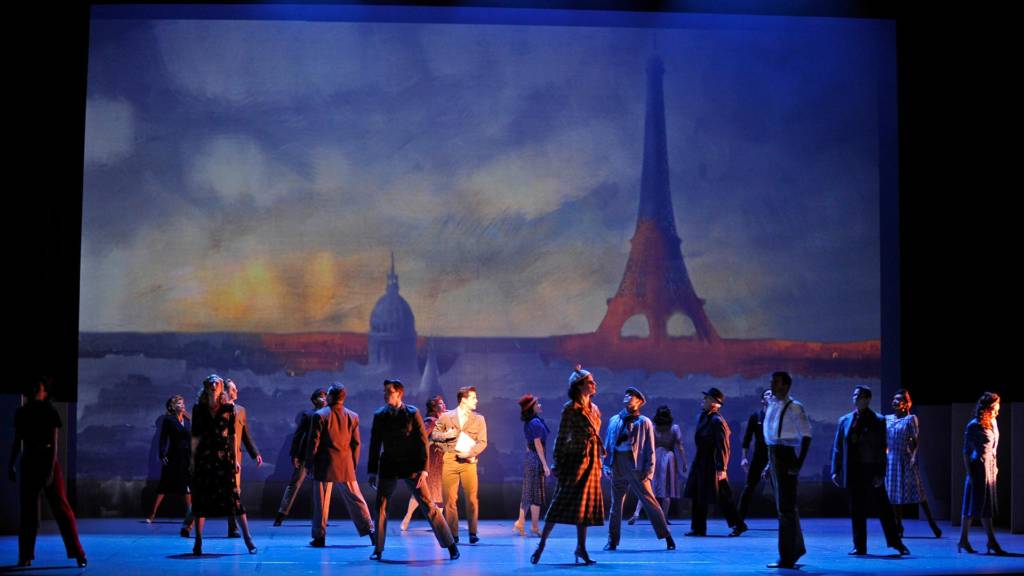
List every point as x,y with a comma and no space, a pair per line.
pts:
577,499
902,476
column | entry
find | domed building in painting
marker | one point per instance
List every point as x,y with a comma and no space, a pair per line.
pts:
392,338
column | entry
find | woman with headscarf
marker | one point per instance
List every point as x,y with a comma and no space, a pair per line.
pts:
578,452
214,489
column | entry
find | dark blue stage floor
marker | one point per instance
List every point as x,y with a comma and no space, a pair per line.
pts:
126,547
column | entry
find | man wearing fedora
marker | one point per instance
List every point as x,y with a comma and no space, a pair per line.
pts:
708,482
629,463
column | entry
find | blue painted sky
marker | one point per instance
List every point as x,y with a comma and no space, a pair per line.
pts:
254,175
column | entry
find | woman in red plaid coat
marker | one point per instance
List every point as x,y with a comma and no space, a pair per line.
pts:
577,499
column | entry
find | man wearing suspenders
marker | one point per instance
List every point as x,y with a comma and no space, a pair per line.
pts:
787,432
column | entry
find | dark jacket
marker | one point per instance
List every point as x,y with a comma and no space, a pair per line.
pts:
175,439
398,443
334,444
871,442
301,436
755,432
712,439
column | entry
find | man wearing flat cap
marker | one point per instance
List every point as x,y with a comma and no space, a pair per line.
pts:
708,482
629,462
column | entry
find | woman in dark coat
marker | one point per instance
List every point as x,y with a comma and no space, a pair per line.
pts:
577,456
215,491
981,440
175,456
708,482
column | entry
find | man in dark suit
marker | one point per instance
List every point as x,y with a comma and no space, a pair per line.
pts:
758,458
460,467
298,455
333,449
858,464
242,436
398,451
708,481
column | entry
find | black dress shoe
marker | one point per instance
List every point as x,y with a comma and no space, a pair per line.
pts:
902,549
318,542
184,532
473,539
670,544
857,552
376,554
279,519
453,552
610,546
235,534
82,562
24,563
694,533
782,564
739,529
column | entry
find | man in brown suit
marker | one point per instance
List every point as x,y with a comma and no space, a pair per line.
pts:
242,436
460,466
333,450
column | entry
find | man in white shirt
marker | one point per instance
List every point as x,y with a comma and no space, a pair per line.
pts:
786,431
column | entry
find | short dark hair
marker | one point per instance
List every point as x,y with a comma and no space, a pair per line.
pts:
784,377
336,393
316,394
862,390
463,392
395,385
433,403
35,384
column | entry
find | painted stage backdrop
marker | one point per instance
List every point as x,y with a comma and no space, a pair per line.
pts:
486,198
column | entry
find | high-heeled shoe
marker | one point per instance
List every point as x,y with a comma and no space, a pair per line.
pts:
632,520
405,524
535,557
581,554
197,548
520,528
995,549
251,546
534,533
966,547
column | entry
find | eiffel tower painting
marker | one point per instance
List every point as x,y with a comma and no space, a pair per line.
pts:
656,284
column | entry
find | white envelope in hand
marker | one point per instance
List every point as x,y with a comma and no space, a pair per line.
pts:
464,443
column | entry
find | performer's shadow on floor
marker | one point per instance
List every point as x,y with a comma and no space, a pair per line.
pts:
438,561
191,556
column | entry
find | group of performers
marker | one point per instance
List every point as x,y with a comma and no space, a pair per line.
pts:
873,458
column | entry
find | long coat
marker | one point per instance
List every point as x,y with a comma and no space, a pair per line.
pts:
577,457
713,450
333,444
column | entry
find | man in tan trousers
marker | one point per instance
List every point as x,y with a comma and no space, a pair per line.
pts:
333,450
463,435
